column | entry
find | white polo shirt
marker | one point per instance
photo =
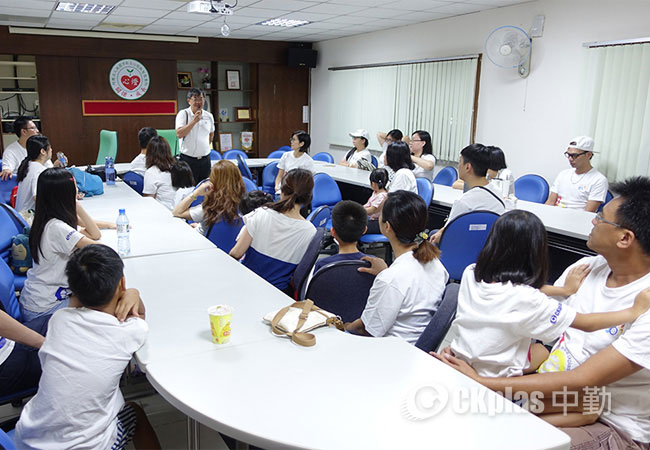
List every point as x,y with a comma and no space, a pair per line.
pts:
197,142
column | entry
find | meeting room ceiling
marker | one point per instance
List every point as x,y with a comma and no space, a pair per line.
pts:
329,19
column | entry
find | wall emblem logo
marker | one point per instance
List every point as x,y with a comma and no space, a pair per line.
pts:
129,79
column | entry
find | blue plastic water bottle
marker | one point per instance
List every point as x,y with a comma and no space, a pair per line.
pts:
123,241
110,171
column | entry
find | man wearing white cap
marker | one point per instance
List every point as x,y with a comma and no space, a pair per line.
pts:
582,186
359,151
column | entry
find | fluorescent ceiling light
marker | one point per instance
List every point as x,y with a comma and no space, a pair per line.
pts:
287,23
103,34
84,8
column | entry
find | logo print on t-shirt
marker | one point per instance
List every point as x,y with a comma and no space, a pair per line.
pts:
62,293
69,235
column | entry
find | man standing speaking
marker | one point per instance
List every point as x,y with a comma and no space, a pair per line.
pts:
195,130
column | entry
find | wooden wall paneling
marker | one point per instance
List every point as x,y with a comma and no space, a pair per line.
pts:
282,92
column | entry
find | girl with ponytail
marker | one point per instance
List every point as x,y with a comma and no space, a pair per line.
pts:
39,152
275,237
405,295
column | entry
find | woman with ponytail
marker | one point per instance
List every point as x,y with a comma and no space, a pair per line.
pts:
39,152
275,237
405,295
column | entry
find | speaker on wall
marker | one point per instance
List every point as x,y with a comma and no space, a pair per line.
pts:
301,57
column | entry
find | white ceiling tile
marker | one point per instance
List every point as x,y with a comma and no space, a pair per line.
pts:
418,5
69,25
331,8
313,27
382,13
14,23
335,26
288,5
23,12
166,5
153,29
28,4
190,17
460,8
261,13
422,16
301,15
142,21
348,20
177,23
138,12
77,17
361,2
117,28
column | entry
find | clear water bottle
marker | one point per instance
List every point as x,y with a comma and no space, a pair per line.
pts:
123,242
109,169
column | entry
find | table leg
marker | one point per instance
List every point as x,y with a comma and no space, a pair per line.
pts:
193,434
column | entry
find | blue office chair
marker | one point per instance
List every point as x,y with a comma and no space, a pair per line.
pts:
279,152
134,180
232,154
224,234
6,187
608,198
462,240
379,240
326,191
215,155
269,174
321,216
11,224
7,440
373,160
303,269
250,185
446,176
8,291
435,332
532,188
323,156
243,167
425,189
199,198
341,289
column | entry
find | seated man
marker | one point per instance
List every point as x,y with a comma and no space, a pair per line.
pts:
472,168
617,358
582,186
138,165
16,151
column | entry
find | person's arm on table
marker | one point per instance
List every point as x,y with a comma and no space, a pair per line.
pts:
552,198
592,206
129,305
244,241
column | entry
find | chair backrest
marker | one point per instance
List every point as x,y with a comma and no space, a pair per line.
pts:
215,155
425,189
435,332
232,154
323,156
269,175
199,198
250,185
341,289
107,146
373,160
301,273
171,137
326,191
6,187
224,234
320,216
134,180
18,220
243,167
608,198
279,152
446,176
6,441
9,227
8,291
532,188
462,240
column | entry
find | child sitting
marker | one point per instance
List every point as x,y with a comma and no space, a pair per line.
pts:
378,183
348,225
79,403
182,180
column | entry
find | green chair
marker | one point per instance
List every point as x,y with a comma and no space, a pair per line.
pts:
107,146
171,137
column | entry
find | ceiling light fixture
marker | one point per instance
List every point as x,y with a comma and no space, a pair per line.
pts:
88,8
225,29
286,23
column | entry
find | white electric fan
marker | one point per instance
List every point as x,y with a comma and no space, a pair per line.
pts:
510,47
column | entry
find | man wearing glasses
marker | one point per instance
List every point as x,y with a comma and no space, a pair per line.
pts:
16,151
195,129
582,186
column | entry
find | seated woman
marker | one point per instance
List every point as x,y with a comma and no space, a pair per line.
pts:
297,158
405,295
398,159
359,151
39,152
220,202
422,154
275,237
158,177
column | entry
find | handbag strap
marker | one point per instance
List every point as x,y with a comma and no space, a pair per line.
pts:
300,338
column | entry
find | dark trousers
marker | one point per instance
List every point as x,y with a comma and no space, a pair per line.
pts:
200,167
373,227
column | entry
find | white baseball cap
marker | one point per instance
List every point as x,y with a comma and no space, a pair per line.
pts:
360,133
584,143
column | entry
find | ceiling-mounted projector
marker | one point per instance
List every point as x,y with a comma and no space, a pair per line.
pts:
219,7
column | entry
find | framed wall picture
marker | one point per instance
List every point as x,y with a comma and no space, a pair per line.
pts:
233,81
243,114
184,79
225,141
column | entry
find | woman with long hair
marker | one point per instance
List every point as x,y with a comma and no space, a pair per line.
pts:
221,196
52,239
39,151
275,237
404,296
157,177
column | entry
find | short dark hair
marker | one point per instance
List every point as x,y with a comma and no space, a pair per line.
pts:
395,134
145,134
304,138
195,92
634,211
349,220
253,200
497,158
426,137
182,176
94,273
20,124
516,251
478,156
379,176
398,156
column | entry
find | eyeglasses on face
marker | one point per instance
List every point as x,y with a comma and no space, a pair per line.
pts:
599,218
574,156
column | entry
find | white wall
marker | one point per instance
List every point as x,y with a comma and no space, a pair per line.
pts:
531,119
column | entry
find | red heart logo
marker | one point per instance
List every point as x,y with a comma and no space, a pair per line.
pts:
130,82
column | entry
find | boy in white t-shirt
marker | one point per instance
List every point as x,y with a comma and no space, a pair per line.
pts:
138,165
582,186
79,403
